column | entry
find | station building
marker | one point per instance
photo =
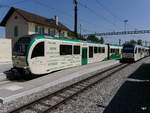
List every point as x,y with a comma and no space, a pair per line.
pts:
18,23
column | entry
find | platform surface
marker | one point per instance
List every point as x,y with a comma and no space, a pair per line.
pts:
14,90
4,66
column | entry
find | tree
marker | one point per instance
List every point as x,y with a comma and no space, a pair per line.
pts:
93,38
139,42
102,40
133,42
76,36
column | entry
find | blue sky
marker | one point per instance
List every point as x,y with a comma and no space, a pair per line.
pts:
94,15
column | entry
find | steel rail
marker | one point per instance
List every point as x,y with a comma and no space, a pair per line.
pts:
71,91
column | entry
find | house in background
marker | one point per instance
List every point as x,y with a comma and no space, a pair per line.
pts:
19,23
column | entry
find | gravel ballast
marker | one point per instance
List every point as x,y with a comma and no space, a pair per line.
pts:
119,93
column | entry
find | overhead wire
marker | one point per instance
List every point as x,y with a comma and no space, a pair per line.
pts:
106,9
97,14
111,13
62,12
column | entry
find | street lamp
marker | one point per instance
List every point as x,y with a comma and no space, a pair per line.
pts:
75,1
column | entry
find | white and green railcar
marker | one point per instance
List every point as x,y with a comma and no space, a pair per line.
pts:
41,54
133,52
115,51
146,51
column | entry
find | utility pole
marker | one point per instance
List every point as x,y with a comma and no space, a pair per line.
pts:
125,24
119,41
80,31
75,16
145,43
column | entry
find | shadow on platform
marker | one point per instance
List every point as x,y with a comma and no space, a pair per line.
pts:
20,77
134,94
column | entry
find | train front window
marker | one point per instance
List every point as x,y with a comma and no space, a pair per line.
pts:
20,47
38,50
128,49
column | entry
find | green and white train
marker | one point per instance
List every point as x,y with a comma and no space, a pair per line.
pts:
133,52
42,54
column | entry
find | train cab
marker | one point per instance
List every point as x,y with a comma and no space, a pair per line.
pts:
19,55
132,52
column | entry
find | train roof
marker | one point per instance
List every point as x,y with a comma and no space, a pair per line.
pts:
65,39
115,45
134,45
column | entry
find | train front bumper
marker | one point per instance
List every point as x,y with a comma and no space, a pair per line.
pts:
127,57
19,62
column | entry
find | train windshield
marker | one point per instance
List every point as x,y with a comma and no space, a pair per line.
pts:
128,49
20,47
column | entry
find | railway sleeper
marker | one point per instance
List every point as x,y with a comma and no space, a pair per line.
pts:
75,89
39,107
69,92
61,96
83,85
79,87
54,100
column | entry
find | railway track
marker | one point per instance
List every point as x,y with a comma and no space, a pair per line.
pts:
54,100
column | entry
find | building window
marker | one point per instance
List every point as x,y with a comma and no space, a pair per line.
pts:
90,52
51,32
39,30
76,50
42,30
16,31
38,50
36,29
62,34
65,49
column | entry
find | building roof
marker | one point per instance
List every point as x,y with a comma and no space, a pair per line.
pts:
30,17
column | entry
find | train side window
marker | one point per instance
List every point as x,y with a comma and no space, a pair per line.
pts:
65,49
38,50
117,51
139,50
76,49
99,49
103,49
135,50
90,52
111,50
95,49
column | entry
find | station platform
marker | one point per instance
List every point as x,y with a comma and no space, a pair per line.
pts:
4,66
16,94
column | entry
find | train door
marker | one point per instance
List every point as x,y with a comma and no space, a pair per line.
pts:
84,56
37,58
